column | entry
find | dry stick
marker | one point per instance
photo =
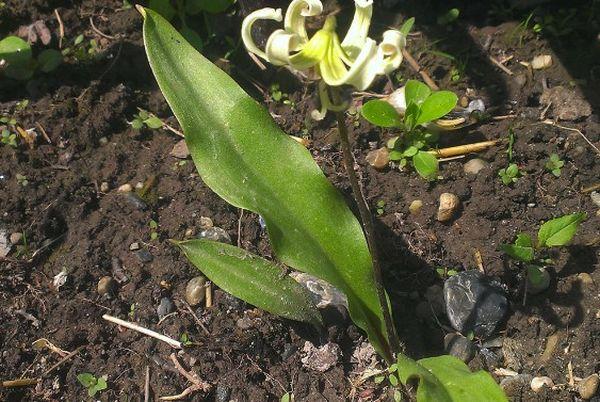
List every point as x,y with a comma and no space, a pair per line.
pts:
462,149
415,66
147,385
23,382
61,28
61,361
500,65
145,331
99,32
368,225
551,123
591,188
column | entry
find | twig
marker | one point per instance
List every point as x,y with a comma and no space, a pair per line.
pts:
173,130
479,261
189,308
99,32
239,229
145,331
44,133
61,361
61,28
500,65
208,295
462,149
147,385
591,188
23,382
451,158
165,317
552,123
504,117
415,66
257,61
197,383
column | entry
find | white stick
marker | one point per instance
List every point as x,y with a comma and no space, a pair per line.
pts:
145,331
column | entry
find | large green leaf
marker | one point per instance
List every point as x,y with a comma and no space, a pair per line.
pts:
426,165
251,278
246,159
522,249
560,231
448,379
437,105
416,92
381,113
17,54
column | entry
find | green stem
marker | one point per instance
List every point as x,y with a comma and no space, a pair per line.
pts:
367,223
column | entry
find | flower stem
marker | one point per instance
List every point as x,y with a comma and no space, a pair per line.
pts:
367,223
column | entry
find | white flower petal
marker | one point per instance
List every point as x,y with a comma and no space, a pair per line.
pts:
359,29
364,69
296,14
262,14
390,50
280,46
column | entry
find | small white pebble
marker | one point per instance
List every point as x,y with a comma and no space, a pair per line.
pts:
104,187
538,383
103,141
542,61
139,185
125,188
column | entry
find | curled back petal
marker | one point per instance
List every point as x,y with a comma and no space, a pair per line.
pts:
326,104
279,47
359,29
296,14
316,49
391,50
332,67
262,14
364,69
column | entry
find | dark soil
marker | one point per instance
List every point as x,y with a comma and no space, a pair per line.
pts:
70,225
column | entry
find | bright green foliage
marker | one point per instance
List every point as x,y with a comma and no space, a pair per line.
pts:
8,138
522,249
93,384
559,231
20,63
554,165
423,106
287,397
144,118
245,158
251,278
407,26
448,379
510,174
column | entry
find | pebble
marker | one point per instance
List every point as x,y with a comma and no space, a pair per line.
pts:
59,279
180,150
459,346
585,279
320,358
106,286
415,207
134,246
542,61
104,187
595,196
139,185
189,232
539,383
474,166
378,158
222,393
144,256
103,140
5,245
118,271
514,385
165,307
215,234
125,188
16,237
136,201
195,291
449,204
551,345
473,303
206,222
589,386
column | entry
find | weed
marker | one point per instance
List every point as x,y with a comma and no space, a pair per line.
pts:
93,384
554,165
510,174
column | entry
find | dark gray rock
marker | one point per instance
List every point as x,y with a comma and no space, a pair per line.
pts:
460,347
215,234
474,304
135,201
165,307
144,256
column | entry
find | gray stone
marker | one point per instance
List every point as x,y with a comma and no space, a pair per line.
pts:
460,347
118,271
474,166
516,385
165,307
320,358
180,150
144,256
474,304
135,201
595,196
215,234
5,245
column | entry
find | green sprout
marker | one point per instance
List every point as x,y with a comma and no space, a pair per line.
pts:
185,340
510,174
22,180
8,138
554,165
93,384
153,226
380,207
287,397
146,119
19,62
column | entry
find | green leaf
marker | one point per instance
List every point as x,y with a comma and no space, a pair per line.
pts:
560,231
380,113
86,379
521,250
153,122
137,124
416,92
407,26
49,60
193,7
286,397
437,105
164,8
426,165
251,278
192,36
17,54
448,17
246,159
447,379
78,39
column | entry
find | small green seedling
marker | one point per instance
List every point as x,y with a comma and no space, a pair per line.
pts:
93,384
18,62
422,107
153,226
185,340
8,138
145,119
510,174
22,180
287,397
553,233
380,207
554,165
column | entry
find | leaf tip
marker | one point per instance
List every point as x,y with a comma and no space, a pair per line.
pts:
141,10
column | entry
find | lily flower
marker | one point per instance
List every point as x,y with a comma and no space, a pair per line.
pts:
356,60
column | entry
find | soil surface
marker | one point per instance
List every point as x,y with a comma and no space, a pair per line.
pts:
61,193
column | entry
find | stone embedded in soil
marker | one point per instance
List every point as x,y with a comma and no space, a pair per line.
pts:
180,150
144,256
542,61
320,358
125,188
5,245
415,207
206,222
595,196
165,307
566,104
136,201
59,280
511,351
118,271
460,347
15,238
134,246
104,187
195,291
585,279
539,383
378,158
474,304
474,166
515,385
589,386
106,286
551,345
449,205
215,234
